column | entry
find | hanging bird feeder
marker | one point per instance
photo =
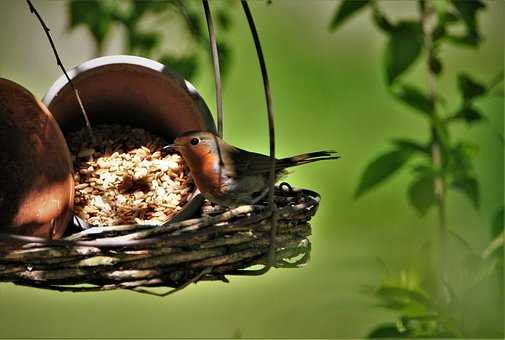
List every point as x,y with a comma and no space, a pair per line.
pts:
45,244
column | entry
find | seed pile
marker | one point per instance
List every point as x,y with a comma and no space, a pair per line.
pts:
126,177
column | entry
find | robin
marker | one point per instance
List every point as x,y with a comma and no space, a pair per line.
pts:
230,176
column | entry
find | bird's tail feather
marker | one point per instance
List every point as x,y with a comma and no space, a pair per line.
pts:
306,158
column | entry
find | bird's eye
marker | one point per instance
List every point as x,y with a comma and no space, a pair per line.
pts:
194,141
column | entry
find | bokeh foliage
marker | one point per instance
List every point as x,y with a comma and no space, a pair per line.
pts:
100,17
433,302
335,78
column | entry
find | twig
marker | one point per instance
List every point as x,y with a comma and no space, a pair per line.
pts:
60,64
195,279
428,21
215,62
495,244
271,129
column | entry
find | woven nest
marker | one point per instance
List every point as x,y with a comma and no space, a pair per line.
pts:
217,244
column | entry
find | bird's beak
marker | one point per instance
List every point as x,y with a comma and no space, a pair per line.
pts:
169,147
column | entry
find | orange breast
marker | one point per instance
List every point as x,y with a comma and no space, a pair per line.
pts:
204,166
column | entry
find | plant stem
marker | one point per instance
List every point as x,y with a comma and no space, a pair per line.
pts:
428,19
429,22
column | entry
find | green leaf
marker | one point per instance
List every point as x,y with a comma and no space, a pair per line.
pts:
192,20
403,47
470,187
468,12
380,19
498,223
399,298
415,98
387,330
435,65
224,57
382,168
460,160
96,15
185,66
462,40
143,42
345,11
408,144
469,114
421,193
470,88
223,19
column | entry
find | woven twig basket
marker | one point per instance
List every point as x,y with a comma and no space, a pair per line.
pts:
172,255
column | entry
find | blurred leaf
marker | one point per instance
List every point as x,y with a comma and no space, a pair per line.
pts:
469,114
193,23
185,66
470,187
380,18
142,7
435,65
469,88
460,159
387,330
346,9
408,144
468,13
498,223
416,99
224,57
96,15
421,193
465,40
412,301
381,168
143,42
403,47
223,19
446,18
423,169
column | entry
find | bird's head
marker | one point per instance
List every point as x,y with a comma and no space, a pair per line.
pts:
196,146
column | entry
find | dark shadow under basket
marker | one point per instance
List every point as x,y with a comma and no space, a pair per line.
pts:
172,255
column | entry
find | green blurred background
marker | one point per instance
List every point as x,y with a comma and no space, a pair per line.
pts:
329,93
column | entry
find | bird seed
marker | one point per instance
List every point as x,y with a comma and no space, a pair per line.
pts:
126,177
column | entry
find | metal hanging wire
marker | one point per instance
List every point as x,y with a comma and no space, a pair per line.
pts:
215,63
271,127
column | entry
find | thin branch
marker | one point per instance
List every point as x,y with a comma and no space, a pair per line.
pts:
215,62
428,25
60,64
271,129
495,244
195,279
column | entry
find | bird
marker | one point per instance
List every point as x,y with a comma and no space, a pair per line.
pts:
229,176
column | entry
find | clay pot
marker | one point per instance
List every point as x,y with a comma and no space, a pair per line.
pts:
36,183
131,90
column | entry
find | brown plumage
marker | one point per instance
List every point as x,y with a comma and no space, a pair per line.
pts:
230,176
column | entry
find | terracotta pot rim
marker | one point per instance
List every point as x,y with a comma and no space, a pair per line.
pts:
58,85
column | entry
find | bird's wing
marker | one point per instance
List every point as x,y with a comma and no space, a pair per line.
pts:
248,163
